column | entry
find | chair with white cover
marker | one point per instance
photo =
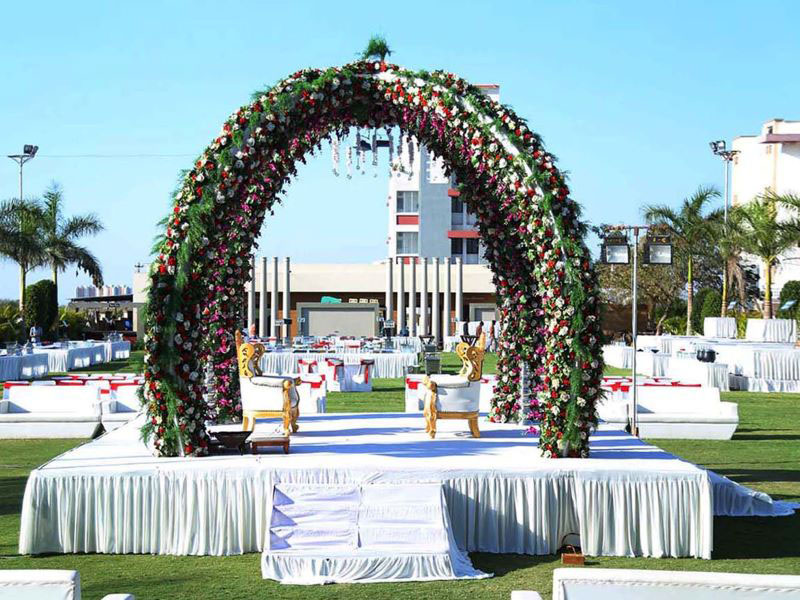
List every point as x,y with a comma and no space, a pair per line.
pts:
333,369
307,366
265,396
361,381
44,584
456,396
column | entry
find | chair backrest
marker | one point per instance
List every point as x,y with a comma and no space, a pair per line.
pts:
248,356
472,358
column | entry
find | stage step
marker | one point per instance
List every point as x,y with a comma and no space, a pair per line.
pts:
370,533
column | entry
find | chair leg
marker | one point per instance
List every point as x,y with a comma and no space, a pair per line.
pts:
295,416
473,427
245,423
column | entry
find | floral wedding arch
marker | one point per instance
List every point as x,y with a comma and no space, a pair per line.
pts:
531,229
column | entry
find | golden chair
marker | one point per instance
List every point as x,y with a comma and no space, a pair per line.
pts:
456,396
265,396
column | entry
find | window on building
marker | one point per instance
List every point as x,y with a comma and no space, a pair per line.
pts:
456,205
407,202
456,247
407,242
472,246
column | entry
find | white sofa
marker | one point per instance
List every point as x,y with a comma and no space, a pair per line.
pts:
673,412
44,584
50,412
633,584
122,406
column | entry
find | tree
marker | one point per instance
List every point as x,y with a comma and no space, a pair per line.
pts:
690,231
41,305
727,248
61,235
765,237
20,237
658,285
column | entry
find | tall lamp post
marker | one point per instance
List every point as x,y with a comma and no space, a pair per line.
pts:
719,148
28,152
617,251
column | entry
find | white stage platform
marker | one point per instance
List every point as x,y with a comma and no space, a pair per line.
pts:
629,499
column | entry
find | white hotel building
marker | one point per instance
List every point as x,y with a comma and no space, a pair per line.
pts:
769,160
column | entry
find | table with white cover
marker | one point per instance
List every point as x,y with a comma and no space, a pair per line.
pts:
75,356
688,370
389,364
720,327
771,330
24,366
120,350
113,496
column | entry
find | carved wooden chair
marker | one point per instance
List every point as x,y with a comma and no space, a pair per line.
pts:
456,396
265,396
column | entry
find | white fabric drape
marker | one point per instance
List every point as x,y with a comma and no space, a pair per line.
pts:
771,330
113,496
720,327
393,364
25,366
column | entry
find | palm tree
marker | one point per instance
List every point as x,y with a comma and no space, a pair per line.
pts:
61,235
20,237
690,230
765,237
728,248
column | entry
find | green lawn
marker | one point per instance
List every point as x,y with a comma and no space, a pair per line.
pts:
764,454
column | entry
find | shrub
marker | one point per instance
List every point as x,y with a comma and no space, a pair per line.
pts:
10,323
75,324
712,305
675,325
41,305
790,291
697,309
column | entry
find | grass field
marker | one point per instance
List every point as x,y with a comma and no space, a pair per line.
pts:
764,454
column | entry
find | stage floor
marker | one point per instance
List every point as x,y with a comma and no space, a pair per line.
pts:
630,499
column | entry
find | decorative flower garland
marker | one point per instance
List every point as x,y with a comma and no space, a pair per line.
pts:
533,235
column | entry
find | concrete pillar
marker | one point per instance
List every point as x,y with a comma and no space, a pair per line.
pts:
389,302
262,300
459,289
251,295
401,296
436,316
424,299
446,327
413,298
287,304
274,299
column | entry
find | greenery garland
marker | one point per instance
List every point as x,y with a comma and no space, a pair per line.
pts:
532,229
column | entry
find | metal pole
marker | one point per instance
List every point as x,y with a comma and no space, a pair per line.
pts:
634,420
287,306
251,295
436,329
401,296
424,298
273,309
726,161
446,330
389,289
459,289
21,162
262,300
413,298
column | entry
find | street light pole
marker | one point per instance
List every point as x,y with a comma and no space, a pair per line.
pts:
719,149
28,152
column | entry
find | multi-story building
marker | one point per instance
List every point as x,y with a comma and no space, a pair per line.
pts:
769,161
426,216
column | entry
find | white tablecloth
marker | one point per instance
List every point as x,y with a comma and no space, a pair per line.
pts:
771,330
113,496
392,364
687,370
620,357
116,350
26,366
719,327
75,357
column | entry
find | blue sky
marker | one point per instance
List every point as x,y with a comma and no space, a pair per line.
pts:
626,94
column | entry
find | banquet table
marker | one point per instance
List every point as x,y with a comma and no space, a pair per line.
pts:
390,364
116,350
72,357
719,327
771,330
687,370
